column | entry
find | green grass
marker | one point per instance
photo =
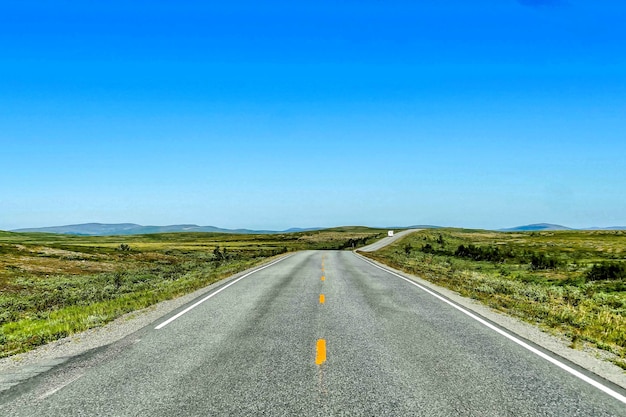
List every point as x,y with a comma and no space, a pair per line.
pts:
52,286
546,278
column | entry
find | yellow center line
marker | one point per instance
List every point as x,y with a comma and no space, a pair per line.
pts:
320,356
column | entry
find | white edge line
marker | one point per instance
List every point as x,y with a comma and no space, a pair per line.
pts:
185,311
523,344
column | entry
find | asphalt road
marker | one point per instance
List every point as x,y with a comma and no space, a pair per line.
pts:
270,345
387,241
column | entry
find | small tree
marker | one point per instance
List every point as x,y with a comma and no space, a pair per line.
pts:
217,255
124,247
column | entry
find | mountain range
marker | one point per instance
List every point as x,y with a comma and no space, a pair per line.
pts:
538,227
103,229
541,227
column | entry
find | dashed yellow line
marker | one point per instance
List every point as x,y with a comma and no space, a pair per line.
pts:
320,350
320,356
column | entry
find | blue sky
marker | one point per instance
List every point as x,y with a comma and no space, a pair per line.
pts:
278,114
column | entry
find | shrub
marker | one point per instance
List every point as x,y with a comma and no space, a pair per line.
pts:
606,271
217,255
541,261
428,248
353,243
478,253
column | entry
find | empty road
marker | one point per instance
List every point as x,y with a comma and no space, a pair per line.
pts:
319,333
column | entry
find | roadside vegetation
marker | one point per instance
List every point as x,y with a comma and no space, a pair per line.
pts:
52,286
571,283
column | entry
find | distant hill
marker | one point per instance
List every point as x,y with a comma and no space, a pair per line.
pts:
424,226
542,227
539,227
86,229
103,229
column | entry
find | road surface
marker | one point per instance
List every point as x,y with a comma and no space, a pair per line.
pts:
387,241
319,333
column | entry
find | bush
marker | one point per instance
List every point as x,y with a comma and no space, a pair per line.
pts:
353,243
428,248
541,261
477,253
606,271
219,256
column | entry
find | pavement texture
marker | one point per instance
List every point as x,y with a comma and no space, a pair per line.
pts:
254,349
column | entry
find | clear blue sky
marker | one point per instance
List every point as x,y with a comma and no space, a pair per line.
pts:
275,114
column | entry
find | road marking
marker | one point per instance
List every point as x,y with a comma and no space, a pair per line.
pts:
60,387
188,309
320,356
323,278
514,339
322,299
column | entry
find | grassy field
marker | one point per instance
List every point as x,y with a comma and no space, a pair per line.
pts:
52,286
571,283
